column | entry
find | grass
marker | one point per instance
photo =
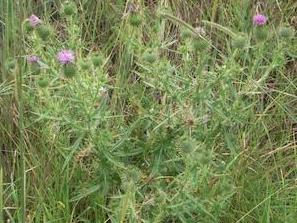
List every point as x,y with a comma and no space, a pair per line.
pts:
160,122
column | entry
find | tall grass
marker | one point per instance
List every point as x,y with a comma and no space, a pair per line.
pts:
174,111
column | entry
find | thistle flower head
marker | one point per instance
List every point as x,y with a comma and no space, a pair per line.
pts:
33,59
34,20
259,20
66,57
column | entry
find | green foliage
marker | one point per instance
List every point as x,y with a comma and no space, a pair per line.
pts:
167,123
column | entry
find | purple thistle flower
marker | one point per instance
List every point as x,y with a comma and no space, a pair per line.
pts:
65,57
34,20
259,20
33,59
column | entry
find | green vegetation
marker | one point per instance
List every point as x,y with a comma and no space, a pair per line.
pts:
156,111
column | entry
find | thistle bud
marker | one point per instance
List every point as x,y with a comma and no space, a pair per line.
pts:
35,69
150,56
11,64
43,82
286,33
84,65
239,41
225,187
135,20
97,60
69,9
44,32
205,157
200,44
69,70
188,146
28,27
186,33
261,33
